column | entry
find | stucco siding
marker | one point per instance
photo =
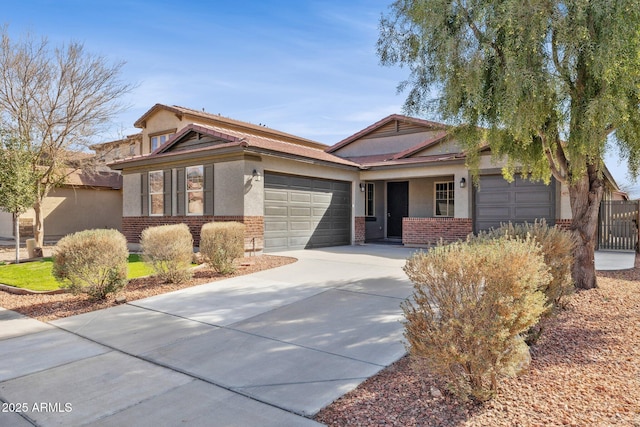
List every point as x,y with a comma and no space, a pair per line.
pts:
131,202
6,225
229,188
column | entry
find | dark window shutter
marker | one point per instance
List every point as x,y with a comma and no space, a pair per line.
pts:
166,187
180,189
144,193
208,189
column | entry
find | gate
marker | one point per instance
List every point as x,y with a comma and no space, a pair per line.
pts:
618,225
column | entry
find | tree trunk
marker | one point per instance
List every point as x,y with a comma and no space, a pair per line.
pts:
38,231
585,195
17,236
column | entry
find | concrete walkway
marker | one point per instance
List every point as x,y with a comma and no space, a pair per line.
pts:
268,349
614,260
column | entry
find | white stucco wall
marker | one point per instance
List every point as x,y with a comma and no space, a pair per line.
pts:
253,188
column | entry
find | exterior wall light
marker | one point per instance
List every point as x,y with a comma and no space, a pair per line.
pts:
256,175
362,187
463,182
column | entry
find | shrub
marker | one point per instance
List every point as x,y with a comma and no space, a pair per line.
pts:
221,243
92,261
557,248
470,305
168,249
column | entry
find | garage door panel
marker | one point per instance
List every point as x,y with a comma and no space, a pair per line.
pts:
299,197
276,195
314,212
498,201
296,211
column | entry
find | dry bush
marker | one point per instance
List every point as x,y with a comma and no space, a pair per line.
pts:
471,303
168,249
557,248
92,261
221,243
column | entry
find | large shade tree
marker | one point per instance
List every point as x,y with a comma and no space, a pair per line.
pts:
545,83
56,100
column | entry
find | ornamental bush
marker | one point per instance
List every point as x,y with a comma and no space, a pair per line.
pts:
168,249
471,304
221,243
92,261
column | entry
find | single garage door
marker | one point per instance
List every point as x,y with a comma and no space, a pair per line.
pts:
302,212
498,201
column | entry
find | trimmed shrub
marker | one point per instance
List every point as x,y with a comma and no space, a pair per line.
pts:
557,248
168,249
221,243
92,261
470,305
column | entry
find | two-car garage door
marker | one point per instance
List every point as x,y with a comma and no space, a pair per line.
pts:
302,212
499,201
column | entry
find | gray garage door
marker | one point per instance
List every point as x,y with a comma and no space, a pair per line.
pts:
498,201
302,212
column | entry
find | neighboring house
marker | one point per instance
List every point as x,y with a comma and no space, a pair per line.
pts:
401,178
85,201
127,147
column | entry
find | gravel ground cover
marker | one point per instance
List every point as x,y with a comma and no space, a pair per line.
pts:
585,371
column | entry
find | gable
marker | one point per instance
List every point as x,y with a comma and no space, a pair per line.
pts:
392,135
386,142
193,140
446,146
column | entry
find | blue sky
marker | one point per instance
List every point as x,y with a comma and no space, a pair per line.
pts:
306,67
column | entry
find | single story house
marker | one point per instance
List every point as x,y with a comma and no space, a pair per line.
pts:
401,178
85,201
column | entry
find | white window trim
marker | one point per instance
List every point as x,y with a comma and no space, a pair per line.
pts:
435,198
187,191
151,193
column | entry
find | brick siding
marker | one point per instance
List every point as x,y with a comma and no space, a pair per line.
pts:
359,228
429,231
132,227
564,224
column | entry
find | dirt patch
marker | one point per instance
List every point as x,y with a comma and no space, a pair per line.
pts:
585,370
51,307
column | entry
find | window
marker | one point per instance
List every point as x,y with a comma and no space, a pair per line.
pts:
369,206
156,193
158,140
444,198
195,187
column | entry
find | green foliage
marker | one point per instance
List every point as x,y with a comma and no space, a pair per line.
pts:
168,249
17,178
529,75
92,262
221,243
471,304
37,275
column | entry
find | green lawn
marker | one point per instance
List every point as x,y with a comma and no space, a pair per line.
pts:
37,276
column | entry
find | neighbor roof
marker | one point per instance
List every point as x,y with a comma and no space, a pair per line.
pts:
217,119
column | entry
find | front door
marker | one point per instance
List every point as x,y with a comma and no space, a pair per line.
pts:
397,207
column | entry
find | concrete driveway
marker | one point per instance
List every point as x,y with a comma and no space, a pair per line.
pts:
268,349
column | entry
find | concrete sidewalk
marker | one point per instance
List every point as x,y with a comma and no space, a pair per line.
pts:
270,348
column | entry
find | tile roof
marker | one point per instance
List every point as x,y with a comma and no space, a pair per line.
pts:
216,118
245,141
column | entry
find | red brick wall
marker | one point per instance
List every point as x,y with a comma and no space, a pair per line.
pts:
132,227
428,231
563,223
359,228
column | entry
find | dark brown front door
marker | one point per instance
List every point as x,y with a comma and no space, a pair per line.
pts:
397,207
